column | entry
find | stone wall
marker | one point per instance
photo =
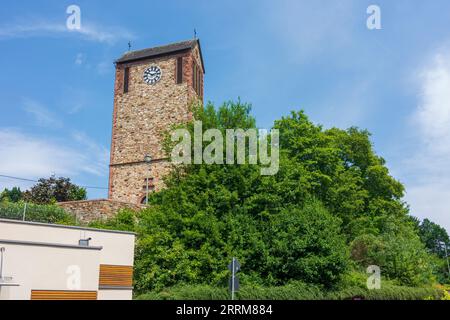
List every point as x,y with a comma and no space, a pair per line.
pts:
140,118
90,210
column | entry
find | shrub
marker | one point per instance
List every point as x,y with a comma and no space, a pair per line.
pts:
187,292
293,291
35,213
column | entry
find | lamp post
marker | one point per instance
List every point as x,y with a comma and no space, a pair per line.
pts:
147,160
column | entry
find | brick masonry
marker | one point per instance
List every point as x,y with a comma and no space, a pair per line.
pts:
140,118
90,210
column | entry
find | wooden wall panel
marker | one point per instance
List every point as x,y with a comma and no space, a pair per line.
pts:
115,276
63,295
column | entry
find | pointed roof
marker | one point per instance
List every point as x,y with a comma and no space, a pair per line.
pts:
168,49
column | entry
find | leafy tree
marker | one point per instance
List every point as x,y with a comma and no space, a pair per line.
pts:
13,195
341,169
54,189
432,235
332,194
397,250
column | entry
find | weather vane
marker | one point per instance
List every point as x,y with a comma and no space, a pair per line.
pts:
195,34
129,45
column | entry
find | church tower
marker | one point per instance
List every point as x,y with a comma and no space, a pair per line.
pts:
153,90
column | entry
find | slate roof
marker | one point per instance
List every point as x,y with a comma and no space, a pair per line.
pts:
161,51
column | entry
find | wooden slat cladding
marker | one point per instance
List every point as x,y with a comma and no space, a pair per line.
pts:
115,276
63,295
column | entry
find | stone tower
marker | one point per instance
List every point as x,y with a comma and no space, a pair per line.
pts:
153,90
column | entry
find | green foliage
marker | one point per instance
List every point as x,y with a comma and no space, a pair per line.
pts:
124,220
187,292
341,169
387,292
294,291
53,189
177,247
13,195
35,213
397,250
307,245
332,195
432,234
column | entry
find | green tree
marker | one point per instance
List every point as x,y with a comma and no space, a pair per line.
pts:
397,249
13,195
211,213
285,227
432,236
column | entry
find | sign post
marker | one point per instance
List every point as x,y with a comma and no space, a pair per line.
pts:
234,267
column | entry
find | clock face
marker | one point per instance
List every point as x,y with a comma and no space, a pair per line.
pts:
152,75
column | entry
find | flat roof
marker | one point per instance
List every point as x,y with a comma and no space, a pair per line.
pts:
54,225
48,244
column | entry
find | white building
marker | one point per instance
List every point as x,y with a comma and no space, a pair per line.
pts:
54,262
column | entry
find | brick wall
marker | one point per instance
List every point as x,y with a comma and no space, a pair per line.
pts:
90,210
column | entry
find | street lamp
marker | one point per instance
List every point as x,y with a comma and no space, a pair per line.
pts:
147,160
443,244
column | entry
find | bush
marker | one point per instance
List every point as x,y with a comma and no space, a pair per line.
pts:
387,292
187,292
35,213
293,291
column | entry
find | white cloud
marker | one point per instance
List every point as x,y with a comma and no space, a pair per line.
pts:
27,156
41,28
428,169
433,114
42,116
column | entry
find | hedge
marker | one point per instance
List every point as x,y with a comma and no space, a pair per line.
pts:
295,291
35,213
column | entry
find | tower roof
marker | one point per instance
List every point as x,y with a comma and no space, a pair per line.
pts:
154,52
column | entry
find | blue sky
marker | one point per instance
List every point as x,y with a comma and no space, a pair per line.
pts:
57,85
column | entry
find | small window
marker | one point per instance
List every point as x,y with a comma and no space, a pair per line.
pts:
194,76
199,81
126,76
180,70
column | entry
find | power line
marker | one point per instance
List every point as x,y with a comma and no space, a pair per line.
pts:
30,180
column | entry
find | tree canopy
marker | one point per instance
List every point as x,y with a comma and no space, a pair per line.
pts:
332,207
54,189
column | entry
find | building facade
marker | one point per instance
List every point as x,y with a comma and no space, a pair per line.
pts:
153,90
54,262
